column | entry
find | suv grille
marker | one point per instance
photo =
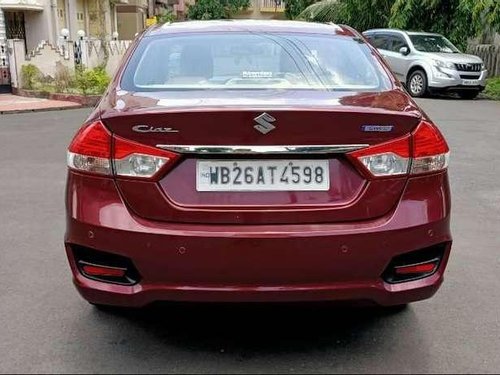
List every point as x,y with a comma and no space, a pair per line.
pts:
476,67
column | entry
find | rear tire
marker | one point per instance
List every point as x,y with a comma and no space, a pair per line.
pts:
468,94
417,84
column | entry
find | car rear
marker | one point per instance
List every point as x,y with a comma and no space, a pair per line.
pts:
242,164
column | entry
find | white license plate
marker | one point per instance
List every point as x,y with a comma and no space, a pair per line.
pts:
470,82
262,175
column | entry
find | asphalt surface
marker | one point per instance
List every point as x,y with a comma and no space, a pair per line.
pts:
46,327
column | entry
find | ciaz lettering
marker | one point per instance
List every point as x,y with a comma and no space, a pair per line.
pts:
151,129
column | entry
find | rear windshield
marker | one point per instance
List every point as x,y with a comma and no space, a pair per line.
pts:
252,61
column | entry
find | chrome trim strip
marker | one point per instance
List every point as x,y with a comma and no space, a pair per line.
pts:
299,149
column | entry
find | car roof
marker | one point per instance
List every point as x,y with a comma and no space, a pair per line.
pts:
235,25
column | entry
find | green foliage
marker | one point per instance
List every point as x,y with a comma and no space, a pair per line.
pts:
294,7
360,14
92,81
215,9
445,17
458,20
166,17
30,76
492,90
63,79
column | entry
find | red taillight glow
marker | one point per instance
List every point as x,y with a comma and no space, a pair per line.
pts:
416,268
91,151
428,141
430,150
425,150
103,271
92,140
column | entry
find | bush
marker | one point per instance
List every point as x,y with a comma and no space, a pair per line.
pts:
92,81
492,90
30,76
63,78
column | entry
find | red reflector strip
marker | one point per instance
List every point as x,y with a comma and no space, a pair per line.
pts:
416,268
93,270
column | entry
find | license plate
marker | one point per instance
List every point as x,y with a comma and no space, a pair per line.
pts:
470,82
262,175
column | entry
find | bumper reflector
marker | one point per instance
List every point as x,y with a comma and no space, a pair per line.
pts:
417,268
414,265
102,271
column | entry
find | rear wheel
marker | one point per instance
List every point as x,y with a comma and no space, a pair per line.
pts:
417,84
468,94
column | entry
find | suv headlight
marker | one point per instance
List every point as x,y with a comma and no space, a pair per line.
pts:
443,64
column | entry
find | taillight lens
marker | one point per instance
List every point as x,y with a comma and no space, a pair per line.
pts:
91,151
425,150
386,159
133,159
430,151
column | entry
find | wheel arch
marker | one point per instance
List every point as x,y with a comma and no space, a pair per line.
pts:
418,65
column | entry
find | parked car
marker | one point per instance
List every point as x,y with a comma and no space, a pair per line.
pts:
429,63
269,161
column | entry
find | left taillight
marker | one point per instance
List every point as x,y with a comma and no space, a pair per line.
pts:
90,150
95,150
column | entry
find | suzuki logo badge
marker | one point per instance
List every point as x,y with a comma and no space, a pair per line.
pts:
264,123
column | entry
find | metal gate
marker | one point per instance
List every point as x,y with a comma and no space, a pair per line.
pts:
4,58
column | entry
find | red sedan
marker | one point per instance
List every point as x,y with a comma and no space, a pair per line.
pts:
256,161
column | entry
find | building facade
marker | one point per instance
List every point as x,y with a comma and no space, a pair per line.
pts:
44,20
264,9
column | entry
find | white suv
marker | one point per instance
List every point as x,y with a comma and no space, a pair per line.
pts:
429,63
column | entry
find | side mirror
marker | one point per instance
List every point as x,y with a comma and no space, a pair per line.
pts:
404,51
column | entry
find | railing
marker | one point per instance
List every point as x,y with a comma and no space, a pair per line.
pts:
490,54
272,5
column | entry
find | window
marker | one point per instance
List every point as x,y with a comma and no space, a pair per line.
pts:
432,43
396,42
252,61
380,41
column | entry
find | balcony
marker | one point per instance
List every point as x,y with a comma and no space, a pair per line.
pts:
167,2
272,6
37,5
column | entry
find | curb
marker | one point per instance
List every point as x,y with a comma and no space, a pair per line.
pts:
15,111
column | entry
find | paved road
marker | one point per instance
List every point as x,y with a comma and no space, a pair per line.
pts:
46,327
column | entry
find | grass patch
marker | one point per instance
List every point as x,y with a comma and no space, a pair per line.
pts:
492,90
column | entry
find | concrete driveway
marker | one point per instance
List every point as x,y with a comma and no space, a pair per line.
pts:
46,327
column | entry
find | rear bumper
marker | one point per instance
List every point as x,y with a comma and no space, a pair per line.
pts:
283,263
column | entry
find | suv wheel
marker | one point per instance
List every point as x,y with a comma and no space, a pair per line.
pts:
468,94
417,83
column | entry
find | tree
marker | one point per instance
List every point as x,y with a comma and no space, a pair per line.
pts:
360,14
456,19
215,9
294,7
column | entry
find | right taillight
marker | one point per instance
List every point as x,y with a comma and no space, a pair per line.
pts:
430,150
95,150
424,151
